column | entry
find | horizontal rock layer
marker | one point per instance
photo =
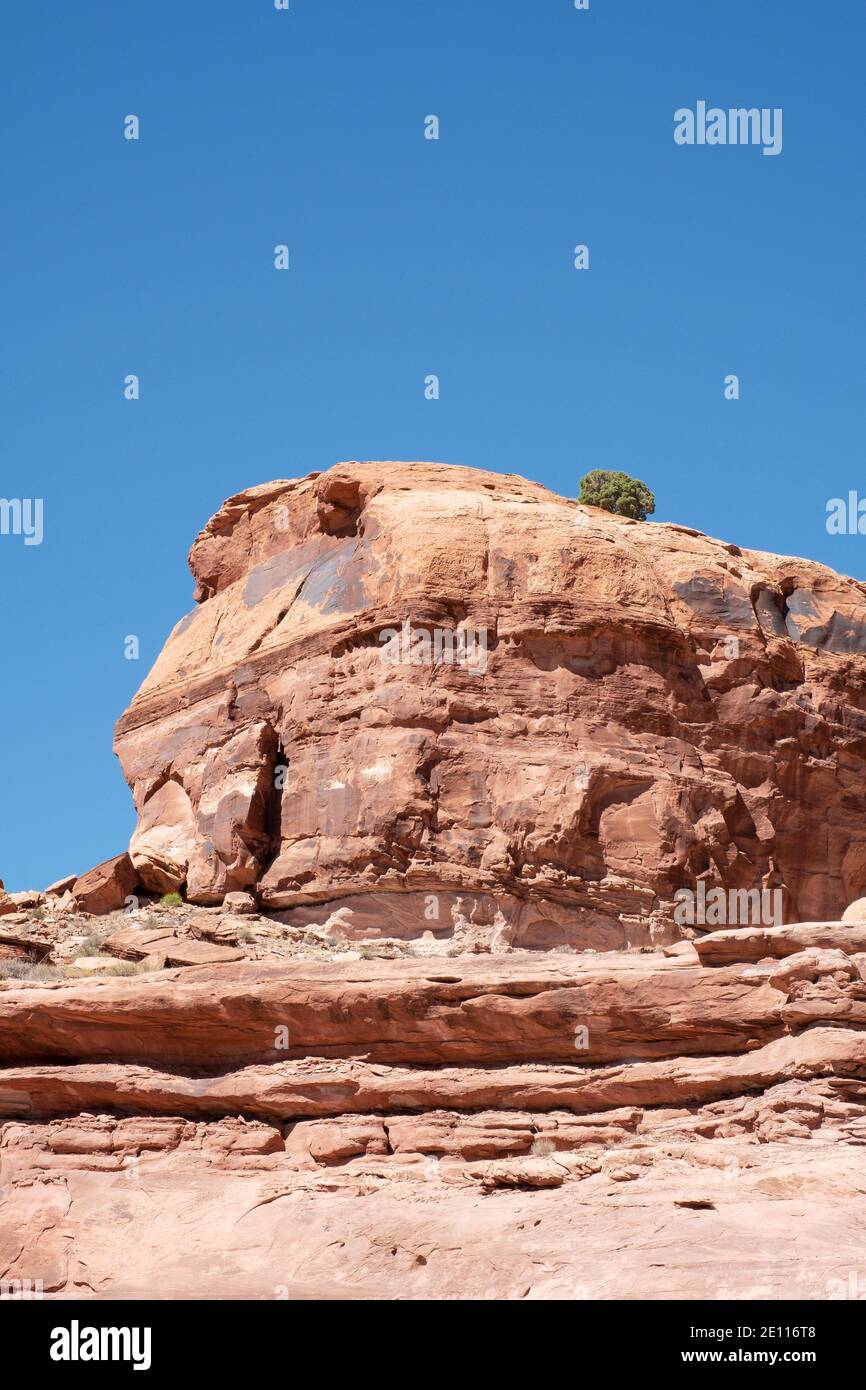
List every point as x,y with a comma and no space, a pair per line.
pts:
512,1008
292,1090
703,1104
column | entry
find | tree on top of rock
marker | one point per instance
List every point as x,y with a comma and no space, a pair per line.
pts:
617,492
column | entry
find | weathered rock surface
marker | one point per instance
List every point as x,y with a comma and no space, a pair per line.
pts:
311,1087
510,1123
29,898
106,887
187,1210
62,886
757,943
243,903
441,1128
653,708
139,943
514,1008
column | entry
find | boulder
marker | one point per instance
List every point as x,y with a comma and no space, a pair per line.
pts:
189,951
240,902
27,900
106,887
61,887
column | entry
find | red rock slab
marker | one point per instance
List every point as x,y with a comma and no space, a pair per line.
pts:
483,1009
27,899
189,951
760,943
61,886
135,943
311,1088
13,952
142,943
27,934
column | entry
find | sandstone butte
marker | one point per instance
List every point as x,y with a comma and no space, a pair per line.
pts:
425,1024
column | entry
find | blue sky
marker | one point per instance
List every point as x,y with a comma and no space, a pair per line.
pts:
408,257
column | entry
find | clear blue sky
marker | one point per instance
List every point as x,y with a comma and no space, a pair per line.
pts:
408,257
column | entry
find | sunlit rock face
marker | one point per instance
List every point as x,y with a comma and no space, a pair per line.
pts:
444,700
669,1103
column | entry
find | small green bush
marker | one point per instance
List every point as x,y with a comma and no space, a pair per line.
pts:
616,492
171,900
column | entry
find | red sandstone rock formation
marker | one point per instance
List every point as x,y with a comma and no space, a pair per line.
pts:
655,708
276,1112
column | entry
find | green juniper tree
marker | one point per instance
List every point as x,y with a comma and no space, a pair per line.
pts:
617,492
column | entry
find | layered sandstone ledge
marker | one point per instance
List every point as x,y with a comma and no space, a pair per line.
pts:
608,1125
657,709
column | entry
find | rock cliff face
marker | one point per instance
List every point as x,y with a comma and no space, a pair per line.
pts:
419,698
433,749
